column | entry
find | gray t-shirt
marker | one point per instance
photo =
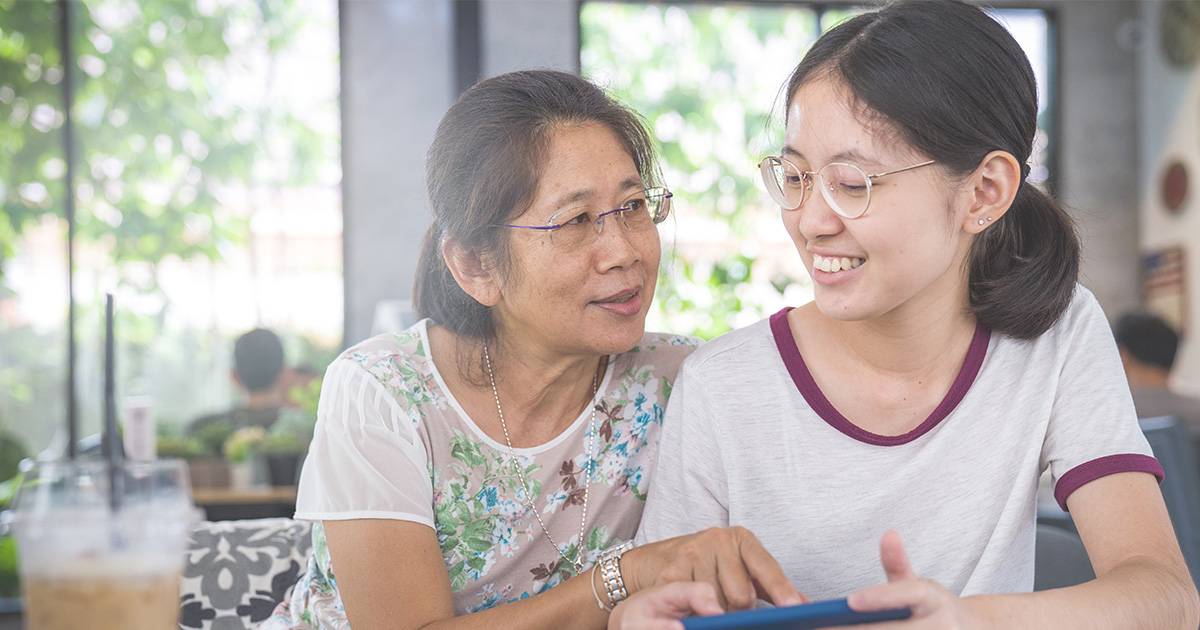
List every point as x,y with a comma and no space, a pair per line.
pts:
750,440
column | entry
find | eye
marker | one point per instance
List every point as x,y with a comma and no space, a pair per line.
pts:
574,217
635,205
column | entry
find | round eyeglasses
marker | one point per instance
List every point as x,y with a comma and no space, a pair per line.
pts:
580,226
845,187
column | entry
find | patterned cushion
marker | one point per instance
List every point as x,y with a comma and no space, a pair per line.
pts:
237,571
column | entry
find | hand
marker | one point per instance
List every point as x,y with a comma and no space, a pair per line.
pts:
931,604
661,607
731,559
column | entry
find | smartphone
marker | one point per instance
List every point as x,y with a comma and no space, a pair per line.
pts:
823,614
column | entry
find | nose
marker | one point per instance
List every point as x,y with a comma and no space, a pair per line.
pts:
817,218
617,250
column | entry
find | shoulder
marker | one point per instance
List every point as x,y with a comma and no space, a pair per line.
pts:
1083,319
734,347
661,351
384,355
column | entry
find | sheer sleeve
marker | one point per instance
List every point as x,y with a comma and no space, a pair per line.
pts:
367,459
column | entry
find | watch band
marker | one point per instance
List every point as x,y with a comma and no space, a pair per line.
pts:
610,573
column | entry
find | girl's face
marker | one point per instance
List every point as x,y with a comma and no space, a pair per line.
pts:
906,253
592,298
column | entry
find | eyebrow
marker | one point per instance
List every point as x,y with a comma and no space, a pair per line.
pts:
586,194
851,156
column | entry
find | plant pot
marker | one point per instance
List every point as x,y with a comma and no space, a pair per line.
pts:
283,469
210,472
248,474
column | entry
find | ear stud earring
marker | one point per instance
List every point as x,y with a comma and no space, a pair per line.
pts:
981,220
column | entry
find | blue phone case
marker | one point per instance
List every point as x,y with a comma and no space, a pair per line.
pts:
824,614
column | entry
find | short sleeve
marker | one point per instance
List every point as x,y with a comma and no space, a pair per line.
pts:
1093,430
688,491
366,458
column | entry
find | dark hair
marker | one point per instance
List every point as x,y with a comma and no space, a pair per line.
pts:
1148,338
483,168
258,359
955,85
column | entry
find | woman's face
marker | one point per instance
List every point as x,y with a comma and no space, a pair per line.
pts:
594,298
907,251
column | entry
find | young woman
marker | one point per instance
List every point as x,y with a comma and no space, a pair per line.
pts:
948,359
501,446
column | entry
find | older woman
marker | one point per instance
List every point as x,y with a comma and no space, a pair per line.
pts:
501,446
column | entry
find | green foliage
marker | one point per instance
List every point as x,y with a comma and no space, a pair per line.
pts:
182,124
162,129
183,447
244,443
705,79
212,437
283,444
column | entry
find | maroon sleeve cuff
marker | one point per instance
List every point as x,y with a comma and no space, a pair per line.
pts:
1102,467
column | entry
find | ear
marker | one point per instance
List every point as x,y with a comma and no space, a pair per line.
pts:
476,278
993,186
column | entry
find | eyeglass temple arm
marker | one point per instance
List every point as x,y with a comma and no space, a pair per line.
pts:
901,170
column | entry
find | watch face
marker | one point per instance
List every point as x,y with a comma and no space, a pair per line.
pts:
1180,32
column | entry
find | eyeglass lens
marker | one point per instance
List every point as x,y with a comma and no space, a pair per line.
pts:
845,187
577,227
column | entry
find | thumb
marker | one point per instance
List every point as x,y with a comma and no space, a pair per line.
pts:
893,557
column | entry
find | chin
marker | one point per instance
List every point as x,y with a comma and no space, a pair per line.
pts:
623,338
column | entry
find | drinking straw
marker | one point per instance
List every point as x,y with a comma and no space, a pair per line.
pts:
111,437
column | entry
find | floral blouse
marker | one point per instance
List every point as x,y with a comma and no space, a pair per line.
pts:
392,442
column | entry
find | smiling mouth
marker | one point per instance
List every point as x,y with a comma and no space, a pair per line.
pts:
834,265
620,298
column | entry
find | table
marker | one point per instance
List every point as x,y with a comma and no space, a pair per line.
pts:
222,504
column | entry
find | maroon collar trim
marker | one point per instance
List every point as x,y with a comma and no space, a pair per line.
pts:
812,394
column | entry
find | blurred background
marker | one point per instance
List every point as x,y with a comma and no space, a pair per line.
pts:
221,165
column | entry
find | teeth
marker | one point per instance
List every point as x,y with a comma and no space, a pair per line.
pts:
834,265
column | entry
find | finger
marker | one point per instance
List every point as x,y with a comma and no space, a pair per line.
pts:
895,560
734,579
703,569
762,593
648,624
916,595
699,598
772,583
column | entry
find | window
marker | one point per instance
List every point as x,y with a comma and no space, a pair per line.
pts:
204,155
708,78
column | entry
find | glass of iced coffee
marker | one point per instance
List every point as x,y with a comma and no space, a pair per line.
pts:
101,545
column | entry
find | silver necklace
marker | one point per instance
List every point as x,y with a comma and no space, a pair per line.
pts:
578,561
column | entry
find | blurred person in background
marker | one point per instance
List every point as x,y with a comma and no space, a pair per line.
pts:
261,375
1148,346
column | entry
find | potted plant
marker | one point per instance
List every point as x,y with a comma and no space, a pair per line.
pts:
283,453
242,451
202,450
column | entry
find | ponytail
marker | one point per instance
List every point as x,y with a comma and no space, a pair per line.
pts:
437,295
1023,269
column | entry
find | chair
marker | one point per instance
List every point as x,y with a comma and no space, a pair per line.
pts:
238,571
1180,488
1059,559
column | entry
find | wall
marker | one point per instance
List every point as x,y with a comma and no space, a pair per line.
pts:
1169,129
397,81
398,57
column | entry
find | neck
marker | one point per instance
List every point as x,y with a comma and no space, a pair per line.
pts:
910,341
541,393
260,399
